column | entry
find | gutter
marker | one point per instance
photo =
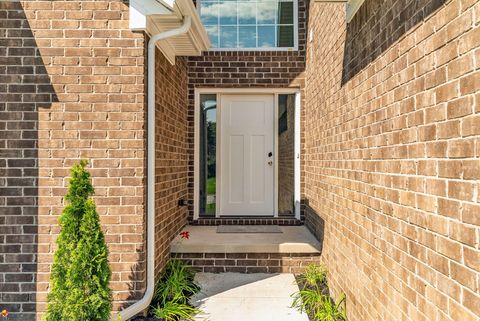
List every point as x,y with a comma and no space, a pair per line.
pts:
144,302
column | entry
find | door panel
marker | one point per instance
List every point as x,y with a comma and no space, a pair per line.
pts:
257,160
247,171
236,180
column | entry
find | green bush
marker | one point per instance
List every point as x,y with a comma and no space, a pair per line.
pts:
314,276
314,299
80,270
174,288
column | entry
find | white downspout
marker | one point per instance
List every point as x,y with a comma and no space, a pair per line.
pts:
144,302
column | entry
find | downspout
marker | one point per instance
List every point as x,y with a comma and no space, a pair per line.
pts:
144,302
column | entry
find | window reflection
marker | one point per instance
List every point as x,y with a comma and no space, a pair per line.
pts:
266,36
249,23
228,36
208,162
247,37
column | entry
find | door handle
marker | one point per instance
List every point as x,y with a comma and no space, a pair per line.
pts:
270,154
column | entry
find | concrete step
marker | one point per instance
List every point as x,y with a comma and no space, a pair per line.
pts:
289,251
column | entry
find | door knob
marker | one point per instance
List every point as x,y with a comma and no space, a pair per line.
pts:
270,154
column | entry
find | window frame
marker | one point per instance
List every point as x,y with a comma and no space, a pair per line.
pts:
295,34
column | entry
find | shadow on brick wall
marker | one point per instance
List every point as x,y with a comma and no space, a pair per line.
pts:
24,88
136,286
377,25
314,222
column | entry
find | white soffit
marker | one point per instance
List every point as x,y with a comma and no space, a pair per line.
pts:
154,16
352,6
140,9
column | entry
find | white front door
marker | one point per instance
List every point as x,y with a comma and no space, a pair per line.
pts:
246,161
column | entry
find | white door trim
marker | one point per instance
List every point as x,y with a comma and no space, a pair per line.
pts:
275,155
246,91
297,148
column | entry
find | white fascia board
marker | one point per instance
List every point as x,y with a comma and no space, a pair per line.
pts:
140,9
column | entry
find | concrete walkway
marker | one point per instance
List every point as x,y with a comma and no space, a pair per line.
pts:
246,297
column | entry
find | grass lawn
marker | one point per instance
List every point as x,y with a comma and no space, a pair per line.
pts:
211,185
211,190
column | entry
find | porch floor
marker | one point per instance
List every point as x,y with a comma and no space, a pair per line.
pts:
205,239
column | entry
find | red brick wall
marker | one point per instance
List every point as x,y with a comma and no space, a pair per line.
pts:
171,154
392,151
71,87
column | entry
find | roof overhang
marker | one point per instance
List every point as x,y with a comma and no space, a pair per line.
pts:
351,8
155,16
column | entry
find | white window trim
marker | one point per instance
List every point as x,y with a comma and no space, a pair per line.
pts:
246,91
295,35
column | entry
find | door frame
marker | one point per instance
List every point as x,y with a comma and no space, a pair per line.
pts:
246,91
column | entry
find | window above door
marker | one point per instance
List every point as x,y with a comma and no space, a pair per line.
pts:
250,24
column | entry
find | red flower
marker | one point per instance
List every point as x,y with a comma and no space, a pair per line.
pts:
4,313
185,234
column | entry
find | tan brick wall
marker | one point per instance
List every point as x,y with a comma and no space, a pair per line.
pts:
392,156
171,182
81,72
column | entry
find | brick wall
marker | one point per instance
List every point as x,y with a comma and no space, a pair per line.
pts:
171,154
286,160
244,69
71,87
392,151
248,262
24,88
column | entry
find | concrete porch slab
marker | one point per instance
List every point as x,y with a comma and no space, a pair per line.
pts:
205,239
242,297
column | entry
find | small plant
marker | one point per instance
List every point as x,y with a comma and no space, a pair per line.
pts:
314,299
174,288
329,311
80,270
176,284
174,310
307,300
314,275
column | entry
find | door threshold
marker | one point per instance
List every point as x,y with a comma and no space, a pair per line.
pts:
242,220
